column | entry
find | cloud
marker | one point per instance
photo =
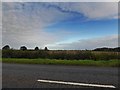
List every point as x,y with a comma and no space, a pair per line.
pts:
25,23
35,14
92,10
60,1
100,10
0,25
107,41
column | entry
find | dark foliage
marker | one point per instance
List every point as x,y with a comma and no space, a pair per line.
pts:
117,49
23,48
7,47
97,54
65,54
46,49
36,48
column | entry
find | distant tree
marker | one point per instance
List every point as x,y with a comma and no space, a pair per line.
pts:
46,49
23,48
36,48
116,49
6,47
102,49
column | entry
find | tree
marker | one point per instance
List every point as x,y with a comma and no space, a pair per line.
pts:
46,49
36,48
6,47
23,48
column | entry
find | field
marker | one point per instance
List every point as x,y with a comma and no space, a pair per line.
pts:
102,63
62,57
61,54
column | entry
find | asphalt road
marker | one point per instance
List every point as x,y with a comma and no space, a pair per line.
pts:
25,76
0,75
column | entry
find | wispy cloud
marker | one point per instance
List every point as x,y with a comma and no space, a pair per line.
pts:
61,1
23,23
107,41
92,11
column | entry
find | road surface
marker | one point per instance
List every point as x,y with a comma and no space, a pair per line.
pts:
26,76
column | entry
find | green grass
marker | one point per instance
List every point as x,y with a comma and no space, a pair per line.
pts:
104,63
0,59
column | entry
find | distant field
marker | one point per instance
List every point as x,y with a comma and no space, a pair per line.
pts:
103,63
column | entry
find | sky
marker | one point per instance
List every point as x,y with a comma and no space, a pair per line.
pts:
60,25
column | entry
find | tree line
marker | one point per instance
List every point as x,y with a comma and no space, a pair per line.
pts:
7,47
117,49
96,54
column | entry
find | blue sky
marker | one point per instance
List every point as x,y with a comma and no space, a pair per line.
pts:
69,25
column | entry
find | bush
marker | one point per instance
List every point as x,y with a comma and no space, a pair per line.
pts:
7,47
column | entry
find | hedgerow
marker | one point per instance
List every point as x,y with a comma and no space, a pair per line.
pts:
61,54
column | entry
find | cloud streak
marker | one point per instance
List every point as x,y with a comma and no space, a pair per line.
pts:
24,23
60,1
107,41
90,10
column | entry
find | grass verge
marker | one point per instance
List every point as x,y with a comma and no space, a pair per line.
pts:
104,63
0,59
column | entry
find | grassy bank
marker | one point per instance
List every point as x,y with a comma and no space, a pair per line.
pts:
0,59
105,63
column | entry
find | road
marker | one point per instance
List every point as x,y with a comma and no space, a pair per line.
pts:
26,76
0,75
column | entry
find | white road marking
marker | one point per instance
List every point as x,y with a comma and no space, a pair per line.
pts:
74,83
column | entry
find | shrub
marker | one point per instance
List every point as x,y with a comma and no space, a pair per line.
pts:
23,48
7,47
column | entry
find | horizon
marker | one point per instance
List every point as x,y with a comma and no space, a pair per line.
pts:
57,49
60,25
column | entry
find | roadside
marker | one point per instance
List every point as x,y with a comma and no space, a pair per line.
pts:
99,63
